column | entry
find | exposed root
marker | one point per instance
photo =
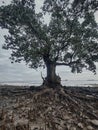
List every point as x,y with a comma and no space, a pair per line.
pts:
46,108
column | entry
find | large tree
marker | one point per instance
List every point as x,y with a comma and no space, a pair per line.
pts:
70,38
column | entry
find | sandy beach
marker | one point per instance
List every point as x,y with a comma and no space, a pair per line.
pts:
65,108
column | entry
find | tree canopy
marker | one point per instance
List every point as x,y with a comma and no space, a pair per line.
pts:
70,38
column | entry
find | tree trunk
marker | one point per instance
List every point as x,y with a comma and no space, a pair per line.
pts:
52,78
51,74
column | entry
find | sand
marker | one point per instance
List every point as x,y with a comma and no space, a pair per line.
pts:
62,108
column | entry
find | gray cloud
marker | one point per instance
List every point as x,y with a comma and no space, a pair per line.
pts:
65,73
21,72
5,2
96,16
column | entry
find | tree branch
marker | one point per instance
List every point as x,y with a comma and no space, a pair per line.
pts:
67,64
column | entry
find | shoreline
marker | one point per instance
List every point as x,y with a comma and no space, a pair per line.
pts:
11,89
36,85
79,83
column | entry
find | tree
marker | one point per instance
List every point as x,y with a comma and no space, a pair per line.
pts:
70,38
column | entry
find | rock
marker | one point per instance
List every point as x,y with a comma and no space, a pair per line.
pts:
89,127
73,128
80,125
66,117
94,122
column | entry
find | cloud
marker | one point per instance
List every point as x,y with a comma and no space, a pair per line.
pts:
16,71
5,2
96,16
65,73
21,72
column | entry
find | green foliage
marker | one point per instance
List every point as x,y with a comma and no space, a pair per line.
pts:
71,38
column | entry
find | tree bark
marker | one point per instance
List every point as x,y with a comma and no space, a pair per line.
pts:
52,78
51,74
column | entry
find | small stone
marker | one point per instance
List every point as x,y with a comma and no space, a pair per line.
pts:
66,117
94,122
73,128
80,125
89,127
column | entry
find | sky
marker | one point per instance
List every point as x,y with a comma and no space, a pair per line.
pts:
21,72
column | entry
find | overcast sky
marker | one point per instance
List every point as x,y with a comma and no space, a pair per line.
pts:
21,72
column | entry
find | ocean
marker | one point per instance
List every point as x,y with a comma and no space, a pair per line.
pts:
80,83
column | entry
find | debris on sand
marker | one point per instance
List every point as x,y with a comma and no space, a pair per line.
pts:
64,108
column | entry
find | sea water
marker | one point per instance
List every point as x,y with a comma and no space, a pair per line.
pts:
79,83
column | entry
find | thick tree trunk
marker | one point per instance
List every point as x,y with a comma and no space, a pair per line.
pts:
51,74
52,78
